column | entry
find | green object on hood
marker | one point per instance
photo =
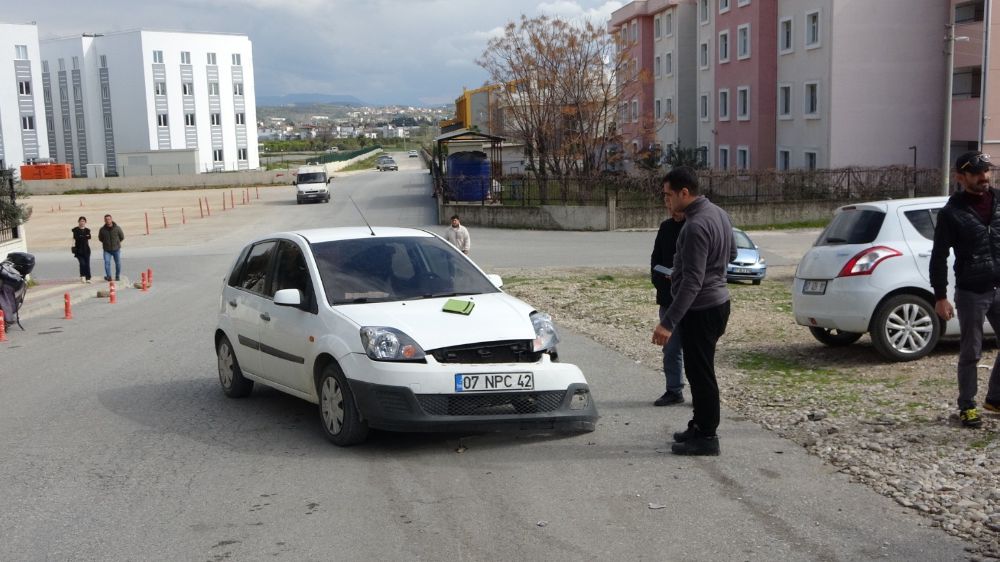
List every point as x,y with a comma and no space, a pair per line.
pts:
458,307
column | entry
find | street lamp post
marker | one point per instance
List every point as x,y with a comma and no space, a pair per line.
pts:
913,188
949,51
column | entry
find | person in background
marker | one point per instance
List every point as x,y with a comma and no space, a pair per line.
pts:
458,235
111,236
81,248
664,248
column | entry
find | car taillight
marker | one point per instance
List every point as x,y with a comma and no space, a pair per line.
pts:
865,262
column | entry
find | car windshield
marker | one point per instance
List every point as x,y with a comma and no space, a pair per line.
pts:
852,226
385,269
743,241
312,177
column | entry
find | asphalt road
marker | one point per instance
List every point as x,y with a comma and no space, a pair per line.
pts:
117,444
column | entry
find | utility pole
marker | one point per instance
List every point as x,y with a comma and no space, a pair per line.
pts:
949,52
913,189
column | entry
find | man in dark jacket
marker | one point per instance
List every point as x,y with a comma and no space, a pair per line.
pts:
970,224
700,308
664,248
111,236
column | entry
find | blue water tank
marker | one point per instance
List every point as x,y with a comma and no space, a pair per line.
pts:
468,176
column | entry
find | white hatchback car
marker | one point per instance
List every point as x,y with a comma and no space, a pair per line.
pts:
392,328
869,272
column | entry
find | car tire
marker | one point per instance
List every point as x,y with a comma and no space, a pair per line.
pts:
905,328
834,338
234,384
338,413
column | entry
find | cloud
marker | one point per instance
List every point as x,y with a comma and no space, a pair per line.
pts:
573,11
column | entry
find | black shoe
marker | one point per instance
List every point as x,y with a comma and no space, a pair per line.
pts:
670,397
697,445
107,278
682,436
117,278
970,417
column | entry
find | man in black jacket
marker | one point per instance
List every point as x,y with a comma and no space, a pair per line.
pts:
970,224
664,248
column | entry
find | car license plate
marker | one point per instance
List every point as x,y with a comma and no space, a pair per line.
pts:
487,382
814,288
742,270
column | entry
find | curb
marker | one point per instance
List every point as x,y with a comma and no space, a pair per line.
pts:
48,296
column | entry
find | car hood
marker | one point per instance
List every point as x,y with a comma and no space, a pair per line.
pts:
496,317
746,256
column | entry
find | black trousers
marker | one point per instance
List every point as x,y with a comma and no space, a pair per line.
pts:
702,330
84,261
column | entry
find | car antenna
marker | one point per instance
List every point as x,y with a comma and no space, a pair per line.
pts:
362,215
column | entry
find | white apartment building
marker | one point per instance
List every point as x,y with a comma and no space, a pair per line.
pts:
22,125
117,99
705,11
675,75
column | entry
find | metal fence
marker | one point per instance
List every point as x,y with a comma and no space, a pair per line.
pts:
722,187
8,229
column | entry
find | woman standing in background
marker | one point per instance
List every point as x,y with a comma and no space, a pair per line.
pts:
81,248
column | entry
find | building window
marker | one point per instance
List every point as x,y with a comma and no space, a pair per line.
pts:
158,57
811,101
47,94
969,12
76,63
105,92
743,41
28,122
79,122
45,66
784,100
107,122
810,160
656,27
62,65
668,25
216,119
703,152
189,119
635,111
724,104
161,119
241,118
812,30
668,64
237,59
703,11
104,61
213,88
635,32
723,158
210,58
237,88
723,6
669,109
24,88
785,36
217,155
743,103
656,66
967,83
657,110
742,157
703,56
160,88
187,88
63,93
185,57
77,92
20,52
784,159
241,154
624,35
743,3
724,46
703,107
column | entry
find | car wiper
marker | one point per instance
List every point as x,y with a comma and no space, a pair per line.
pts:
450,294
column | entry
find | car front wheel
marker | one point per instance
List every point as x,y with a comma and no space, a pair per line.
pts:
342,423
234,384
834,338
905,328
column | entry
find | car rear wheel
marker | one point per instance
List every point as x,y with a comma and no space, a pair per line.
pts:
342,423
834,338
234,384
905,328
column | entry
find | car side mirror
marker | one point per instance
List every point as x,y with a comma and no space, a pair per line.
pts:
295,182
328,180
288,297
495,279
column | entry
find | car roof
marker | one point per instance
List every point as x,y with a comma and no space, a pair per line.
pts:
893,204
319,235
311,169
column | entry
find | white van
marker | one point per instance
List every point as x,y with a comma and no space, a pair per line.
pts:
311,184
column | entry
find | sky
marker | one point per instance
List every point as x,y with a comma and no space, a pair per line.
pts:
410,52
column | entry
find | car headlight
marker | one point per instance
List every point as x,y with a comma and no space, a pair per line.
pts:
546,336
389,344
762,261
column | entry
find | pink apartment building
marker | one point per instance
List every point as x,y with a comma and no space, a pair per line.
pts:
974,99
632,25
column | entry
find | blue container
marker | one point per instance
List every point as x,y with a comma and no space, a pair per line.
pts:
468,176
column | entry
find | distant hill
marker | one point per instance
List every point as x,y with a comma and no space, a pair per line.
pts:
306,99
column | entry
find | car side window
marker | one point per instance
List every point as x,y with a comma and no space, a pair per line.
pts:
236,273
923,220
253,278
291,272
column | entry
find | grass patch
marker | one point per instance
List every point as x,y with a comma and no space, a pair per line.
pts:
817,223
983,441
91,191
366,164
789,372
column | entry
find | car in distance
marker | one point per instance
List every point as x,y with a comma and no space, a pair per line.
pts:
391,328
312,184
387,164
749,265
869,272
412,154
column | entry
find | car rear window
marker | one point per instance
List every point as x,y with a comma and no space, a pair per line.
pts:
852,226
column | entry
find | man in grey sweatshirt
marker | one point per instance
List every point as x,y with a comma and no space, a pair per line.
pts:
700,308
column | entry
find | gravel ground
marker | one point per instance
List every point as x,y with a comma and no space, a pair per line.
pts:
892,426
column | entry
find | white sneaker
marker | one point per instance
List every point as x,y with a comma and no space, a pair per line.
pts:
83,280
89,281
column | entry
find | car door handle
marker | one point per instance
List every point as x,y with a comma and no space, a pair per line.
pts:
232,303
265,317
924,254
